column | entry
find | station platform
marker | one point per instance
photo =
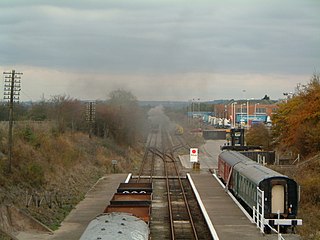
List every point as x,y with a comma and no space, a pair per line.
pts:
94,203
227,219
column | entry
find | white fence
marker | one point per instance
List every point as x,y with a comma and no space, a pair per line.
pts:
258,215
258,211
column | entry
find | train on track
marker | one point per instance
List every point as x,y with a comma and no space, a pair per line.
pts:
242,177
126,217
178,129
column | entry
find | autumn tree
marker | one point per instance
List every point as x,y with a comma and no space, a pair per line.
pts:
68,113
259,135
121,117
297,121
38,111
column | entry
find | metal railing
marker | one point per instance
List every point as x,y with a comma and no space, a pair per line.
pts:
258,215
280,237
258,211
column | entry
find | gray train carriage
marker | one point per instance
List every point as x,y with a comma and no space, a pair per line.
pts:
281,194
116,225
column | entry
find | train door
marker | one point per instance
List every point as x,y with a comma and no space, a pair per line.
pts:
277,198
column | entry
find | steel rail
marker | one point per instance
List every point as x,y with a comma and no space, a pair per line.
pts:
186,203
170,210
145,156
161,146
152,138
171,157
172,230
153,162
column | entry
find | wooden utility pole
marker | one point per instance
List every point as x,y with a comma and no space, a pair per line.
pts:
12,89
91,114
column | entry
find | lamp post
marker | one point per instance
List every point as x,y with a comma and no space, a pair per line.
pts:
189,111
231,115
248,114
233,105
241,117
199,114
224,115
192,106
255,110
241,114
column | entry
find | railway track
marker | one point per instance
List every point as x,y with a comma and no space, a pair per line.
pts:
175,212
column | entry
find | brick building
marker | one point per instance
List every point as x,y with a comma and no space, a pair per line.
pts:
246,111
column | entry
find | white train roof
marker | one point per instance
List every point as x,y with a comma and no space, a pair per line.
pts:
231,157
120,226
249,168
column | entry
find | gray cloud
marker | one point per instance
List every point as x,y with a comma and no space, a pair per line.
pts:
155,38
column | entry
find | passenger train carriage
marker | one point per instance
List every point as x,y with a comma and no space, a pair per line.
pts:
242,176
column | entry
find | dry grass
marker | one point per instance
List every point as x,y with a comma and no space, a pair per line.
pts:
64,165
307,174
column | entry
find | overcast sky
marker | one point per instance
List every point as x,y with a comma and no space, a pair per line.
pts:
160,49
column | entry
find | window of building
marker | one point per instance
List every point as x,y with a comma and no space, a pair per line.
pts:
261,110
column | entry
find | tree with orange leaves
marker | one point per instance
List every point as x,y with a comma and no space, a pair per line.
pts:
297,121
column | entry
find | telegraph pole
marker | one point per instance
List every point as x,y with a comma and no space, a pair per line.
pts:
90,116
12,87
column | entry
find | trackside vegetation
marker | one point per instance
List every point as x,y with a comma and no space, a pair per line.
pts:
296,129
55,162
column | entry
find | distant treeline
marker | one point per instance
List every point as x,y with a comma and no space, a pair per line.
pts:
119,117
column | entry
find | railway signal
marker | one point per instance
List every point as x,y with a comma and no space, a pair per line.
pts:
193,155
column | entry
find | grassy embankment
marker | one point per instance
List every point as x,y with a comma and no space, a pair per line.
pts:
307,174
57,168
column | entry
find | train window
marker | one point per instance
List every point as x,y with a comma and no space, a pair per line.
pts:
252,190
247,187
241,183
243,186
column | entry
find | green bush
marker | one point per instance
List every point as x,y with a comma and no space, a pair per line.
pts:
33,173
28,135
259,135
